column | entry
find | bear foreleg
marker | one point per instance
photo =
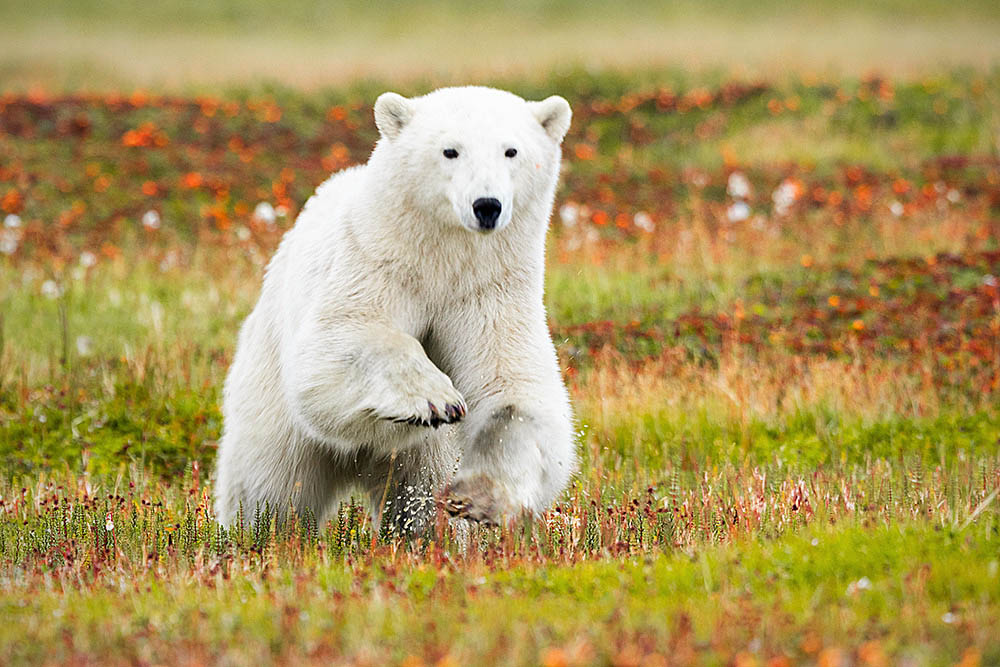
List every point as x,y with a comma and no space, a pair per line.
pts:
367,384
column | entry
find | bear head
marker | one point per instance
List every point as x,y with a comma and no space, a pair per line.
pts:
472,157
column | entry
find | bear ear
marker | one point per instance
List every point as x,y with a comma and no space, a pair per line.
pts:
392,113
554,115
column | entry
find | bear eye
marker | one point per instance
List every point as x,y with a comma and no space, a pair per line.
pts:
510,152
450,153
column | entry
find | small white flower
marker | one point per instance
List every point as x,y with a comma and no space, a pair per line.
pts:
87,259
242,233
949,617
896,208
738,211
862,584
569,213
84,345
151,219
784,196
265,213
8,242
12,221
954,196
738,186
990,280
644,222
815,541
51,289
109,525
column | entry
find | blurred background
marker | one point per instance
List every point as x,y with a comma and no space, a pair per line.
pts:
196,44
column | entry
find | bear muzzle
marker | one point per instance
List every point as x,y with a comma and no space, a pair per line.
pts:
487,210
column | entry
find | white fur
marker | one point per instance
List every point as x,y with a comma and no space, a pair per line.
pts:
384,298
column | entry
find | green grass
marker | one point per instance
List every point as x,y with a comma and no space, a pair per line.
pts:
905,592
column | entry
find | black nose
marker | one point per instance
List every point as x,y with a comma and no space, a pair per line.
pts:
487,210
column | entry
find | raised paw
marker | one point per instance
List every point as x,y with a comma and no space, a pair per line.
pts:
418,394
476,498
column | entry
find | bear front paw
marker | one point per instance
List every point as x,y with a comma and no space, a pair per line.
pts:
420,396
476,498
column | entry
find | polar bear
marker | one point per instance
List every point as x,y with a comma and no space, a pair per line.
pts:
400,347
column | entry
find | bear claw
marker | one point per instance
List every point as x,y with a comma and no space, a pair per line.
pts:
453,412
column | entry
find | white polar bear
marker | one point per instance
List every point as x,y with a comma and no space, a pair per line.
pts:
408,296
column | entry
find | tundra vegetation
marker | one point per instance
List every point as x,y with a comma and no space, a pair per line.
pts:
776,301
